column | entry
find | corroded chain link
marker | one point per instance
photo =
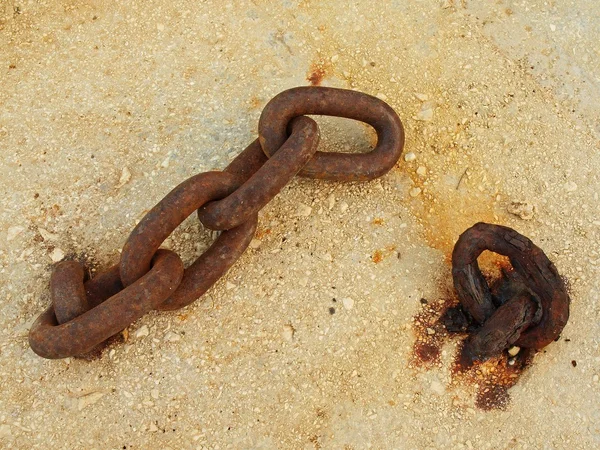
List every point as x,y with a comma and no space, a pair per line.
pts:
530,308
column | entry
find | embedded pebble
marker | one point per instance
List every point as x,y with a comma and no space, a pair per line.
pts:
426,112
422,171
303,210
89,399
348,303
430,331
414,192
330,202
125,177
255,243
57,255
13,232
344,207
438,388
327,257
570,186
595,378
514,350
410,156
421,97
172,337
288,332
47,235
523,210
229,286
142,331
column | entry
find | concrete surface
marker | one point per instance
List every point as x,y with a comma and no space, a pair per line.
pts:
105,106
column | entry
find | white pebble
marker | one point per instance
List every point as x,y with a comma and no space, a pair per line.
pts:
348,303
229,286
47,235
438,387
334,58
381,96
57,255
154,394
89,399
430,331
330,202
125,177
595,378
344,207
570,186
303,210
426,113
327,257
13,232
422,97
143,331
410,156
172,337
414,192
514,350
422,171
288,332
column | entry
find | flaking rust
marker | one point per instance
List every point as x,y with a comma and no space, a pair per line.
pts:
503,322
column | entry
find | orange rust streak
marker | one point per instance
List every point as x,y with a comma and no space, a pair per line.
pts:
377,257
262,232
380,255
316,74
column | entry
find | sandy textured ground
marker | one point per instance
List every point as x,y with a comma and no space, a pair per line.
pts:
499,101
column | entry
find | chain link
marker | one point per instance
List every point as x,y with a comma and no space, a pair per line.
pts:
529,308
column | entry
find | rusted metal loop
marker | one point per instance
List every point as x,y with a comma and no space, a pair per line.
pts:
278,113
160,222
534,268
81,334
67,291
504,328
211,265
267,181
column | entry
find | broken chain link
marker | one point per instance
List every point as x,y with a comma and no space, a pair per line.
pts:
529,307
83,315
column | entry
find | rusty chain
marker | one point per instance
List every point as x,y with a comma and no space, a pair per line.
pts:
528,308
82,315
